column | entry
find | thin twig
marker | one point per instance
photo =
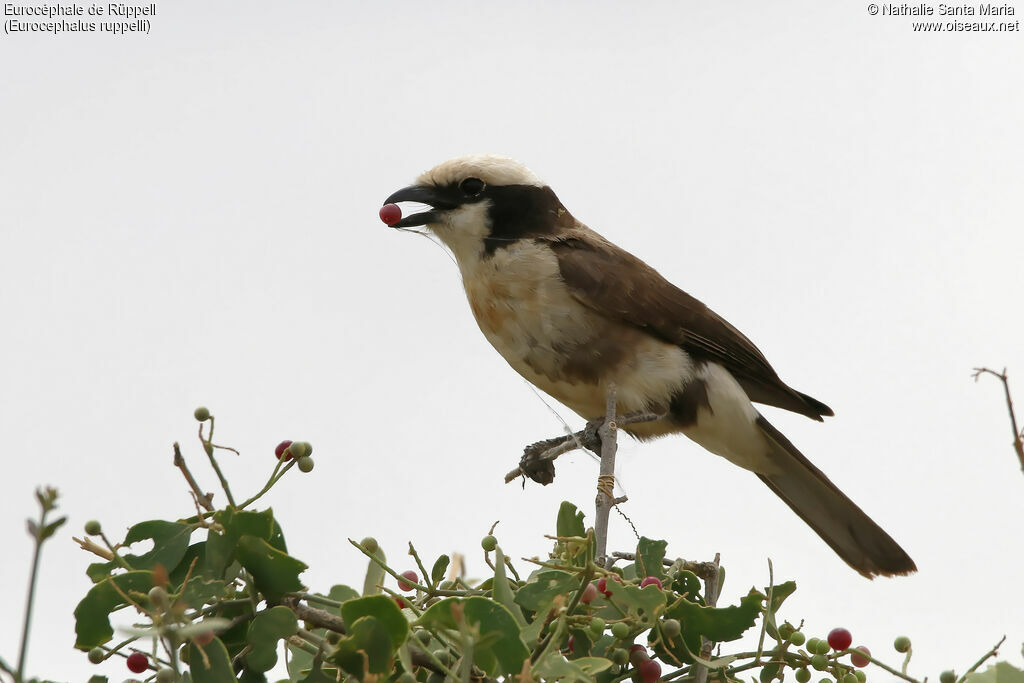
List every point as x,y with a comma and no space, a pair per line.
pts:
1018,435
711,599
37,531
606,479
208,447
204,499
576,441
991,653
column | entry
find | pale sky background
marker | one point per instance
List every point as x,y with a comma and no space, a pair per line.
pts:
190,218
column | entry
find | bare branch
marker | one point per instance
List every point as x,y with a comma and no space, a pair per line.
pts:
606,479
1018,435
204,499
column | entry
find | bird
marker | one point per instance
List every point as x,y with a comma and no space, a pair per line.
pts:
574,314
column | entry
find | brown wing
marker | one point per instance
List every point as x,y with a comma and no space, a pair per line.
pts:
618,285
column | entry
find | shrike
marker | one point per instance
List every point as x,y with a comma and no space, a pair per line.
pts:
571,312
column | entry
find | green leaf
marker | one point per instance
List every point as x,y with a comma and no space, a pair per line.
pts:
649,556
582,670
687,583
1002,672
648,602
383,609
316,675
540,593
265,630
367,648
220,551
503,590
499,650
439,568
51,528
570,521
252,676
170,541
718,624
274,572
780,593
340,593
92,615
215,667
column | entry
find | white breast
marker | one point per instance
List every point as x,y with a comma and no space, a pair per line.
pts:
529,315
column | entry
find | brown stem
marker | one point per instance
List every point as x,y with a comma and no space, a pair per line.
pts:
203,498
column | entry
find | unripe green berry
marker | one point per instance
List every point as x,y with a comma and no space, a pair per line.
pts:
305,464
202,413
96,655
823,647
812,645
166,676
797,638
443,656
850,678
671,627
488,543
93,528
370,544
803,675
298,449
861,676
947,677
819,662
158,596
423,636
902,644
620,656
597,625
786,630
620,630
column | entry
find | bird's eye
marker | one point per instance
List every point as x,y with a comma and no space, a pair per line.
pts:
471,187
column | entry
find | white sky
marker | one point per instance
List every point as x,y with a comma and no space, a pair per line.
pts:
190,218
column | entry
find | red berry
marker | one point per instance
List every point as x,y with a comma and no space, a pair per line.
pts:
400,602
390,214
839,639
638,654
651,581
589,593
280,450
203,638
572,644
602,584
137,662
858,660
650,671
411,575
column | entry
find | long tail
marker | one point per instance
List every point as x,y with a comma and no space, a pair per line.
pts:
837,519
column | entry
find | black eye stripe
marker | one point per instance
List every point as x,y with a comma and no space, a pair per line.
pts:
471,187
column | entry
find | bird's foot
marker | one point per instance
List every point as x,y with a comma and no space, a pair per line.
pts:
537,467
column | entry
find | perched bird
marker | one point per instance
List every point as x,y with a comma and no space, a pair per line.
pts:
571,312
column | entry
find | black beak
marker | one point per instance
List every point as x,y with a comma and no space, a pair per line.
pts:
436,197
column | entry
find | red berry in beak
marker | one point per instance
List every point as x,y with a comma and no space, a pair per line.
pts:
390,214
